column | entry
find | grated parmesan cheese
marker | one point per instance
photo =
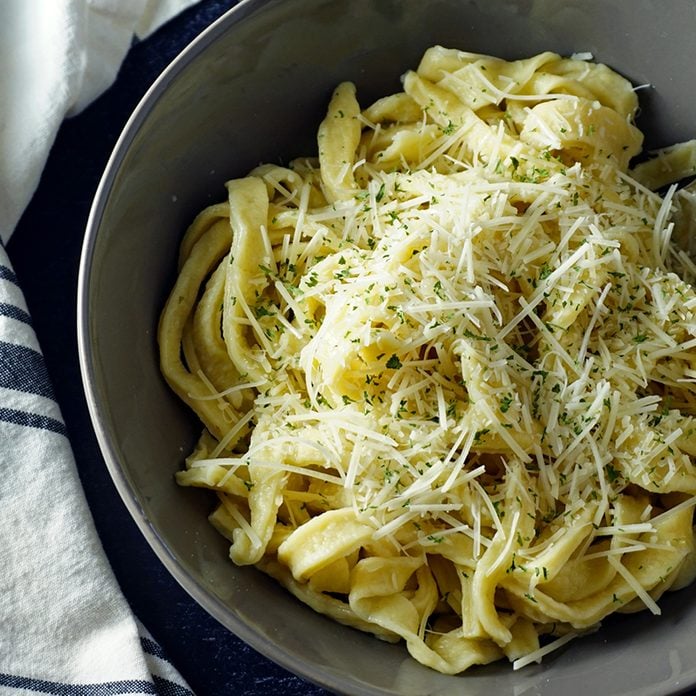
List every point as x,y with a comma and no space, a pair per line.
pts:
478,344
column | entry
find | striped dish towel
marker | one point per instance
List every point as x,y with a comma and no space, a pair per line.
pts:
65,627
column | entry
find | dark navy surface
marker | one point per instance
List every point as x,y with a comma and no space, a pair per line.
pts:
45,252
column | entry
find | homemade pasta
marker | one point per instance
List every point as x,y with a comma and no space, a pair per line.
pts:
447,369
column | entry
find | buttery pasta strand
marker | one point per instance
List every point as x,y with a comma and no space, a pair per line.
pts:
446,368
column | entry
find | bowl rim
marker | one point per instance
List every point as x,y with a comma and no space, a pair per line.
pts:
209,602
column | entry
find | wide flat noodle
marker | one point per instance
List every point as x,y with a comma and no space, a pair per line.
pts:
446,368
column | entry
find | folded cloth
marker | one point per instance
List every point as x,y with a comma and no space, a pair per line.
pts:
56,57
65,627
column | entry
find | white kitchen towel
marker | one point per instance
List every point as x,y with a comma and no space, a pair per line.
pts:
56,57
65,627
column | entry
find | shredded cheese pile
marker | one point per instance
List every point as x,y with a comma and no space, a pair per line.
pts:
446,369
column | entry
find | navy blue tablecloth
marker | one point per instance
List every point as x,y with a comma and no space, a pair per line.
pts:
45,252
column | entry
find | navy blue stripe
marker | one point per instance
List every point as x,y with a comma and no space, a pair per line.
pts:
169,688
164,686
127,686
9,310
149,646
32,420
159,687
23,369
8,274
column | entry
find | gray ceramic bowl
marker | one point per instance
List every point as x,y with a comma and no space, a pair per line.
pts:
252,89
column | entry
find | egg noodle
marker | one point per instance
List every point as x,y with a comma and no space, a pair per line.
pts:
447,369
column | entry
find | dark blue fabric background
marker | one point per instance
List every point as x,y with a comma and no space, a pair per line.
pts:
45,251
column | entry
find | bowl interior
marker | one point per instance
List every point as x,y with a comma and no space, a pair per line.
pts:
253,89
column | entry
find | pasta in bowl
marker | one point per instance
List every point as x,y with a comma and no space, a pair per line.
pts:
445,368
